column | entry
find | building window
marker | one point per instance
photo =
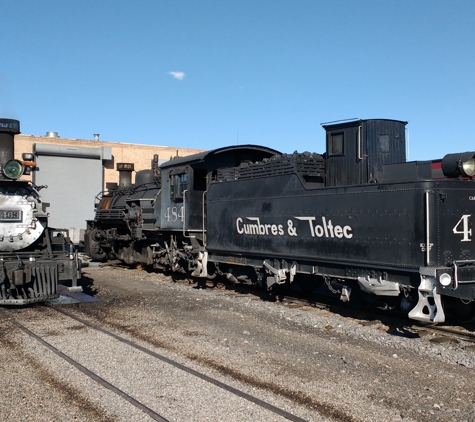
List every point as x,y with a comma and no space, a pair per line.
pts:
384,143
178,184
336,144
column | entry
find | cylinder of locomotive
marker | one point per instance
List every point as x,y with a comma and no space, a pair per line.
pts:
8,129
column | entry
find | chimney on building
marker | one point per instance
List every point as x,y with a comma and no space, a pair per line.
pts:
96,136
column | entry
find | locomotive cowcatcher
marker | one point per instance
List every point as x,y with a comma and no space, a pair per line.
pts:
358,222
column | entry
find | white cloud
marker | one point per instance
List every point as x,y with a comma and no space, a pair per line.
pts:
178,75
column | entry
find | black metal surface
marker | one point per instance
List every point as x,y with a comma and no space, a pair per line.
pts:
279,217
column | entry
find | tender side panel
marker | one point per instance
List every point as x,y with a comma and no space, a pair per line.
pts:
373,225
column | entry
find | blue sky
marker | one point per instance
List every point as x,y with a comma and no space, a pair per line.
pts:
206,74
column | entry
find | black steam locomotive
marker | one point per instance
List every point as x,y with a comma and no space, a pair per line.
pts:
358,222
34,258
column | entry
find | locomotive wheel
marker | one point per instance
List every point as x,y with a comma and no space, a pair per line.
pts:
97,252
95,235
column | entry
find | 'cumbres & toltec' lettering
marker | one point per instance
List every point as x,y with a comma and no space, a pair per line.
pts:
325,229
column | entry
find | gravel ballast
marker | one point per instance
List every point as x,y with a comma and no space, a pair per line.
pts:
312,363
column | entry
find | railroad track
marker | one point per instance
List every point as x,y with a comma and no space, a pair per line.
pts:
448,331
367,317
371,317
141,406
401,323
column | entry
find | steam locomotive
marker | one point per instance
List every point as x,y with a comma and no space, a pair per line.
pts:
358,222
34,258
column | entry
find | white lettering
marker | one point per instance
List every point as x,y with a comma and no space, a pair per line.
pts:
330,228
173,213
319,231
466,231
257,228
325,229
346,232
239,229
338,232
325,226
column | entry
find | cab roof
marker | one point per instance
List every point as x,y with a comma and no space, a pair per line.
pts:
259,151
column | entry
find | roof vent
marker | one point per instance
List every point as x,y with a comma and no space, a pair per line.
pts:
52,135
96,136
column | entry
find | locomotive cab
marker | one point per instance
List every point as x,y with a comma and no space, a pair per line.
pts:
357,150
186,180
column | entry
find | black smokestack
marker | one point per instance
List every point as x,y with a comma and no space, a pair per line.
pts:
125,174
8,129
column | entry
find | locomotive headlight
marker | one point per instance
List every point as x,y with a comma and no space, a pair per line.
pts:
445,279
461,164
468,167
13,169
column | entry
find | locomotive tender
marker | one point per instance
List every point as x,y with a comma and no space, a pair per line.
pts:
34,258
358,221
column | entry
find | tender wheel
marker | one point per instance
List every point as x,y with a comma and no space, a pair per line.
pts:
461,311
465,312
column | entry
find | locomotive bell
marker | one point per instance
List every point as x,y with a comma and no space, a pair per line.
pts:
460,164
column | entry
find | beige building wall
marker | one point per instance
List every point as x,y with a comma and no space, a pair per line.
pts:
140,155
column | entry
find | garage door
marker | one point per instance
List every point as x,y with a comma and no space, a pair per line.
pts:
74,176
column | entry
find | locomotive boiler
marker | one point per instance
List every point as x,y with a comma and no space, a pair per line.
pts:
34,258
358,221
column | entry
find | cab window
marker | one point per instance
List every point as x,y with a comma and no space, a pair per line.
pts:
178,184
335,146
383,143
